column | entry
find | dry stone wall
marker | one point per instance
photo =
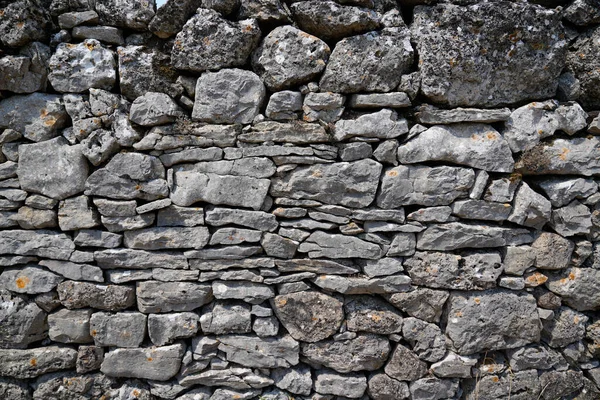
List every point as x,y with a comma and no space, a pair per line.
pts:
278,199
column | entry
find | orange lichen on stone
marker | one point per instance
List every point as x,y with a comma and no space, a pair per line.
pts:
477,300
536,279
22,281
392,173
33,362
563,154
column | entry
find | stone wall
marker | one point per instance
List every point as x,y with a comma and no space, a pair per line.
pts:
239,199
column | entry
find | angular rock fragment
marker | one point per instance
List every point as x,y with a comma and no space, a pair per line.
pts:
21,322
124,329
31,18
431,115
573,219
77,213
254,352
96,238
344,285
41,243
157,363
208,41
27,72
223,317
74,271
321,244
317,266
507,73
292,132
125,13
138,259
422,303
372,315
154,108
552,251
427,340
167,238
432,387
161,297
74,294
288,57
284,105
524,384
77,68
70,326
171,16
561,191
308,316
530,208
454,366
379,100
475,145
491,320
481,209
567,326
250,292
383,124
350,385
295,380
577,287
31,363
582,62
382,387
29,279
578,156
366,352
404,365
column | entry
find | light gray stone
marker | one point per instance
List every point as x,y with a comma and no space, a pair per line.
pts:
286,132
138,259
265,327
491,320
166,328
384,124
404,365
74,271
77,213
567,326
154,108
382,387
29,279
21,321
167,238
106,34
423,303
225,317
316,266
431,115
18,363
123,329
250,292
255,352
552,251
31,218
208,41
180,216
533,356
70,326
517,259
41,243
475,145
295,380
161,297
434,388
562,191
379,100
502,190
321,244
125,13
26,72
427,340
577,287
573,219
284,105
77,68
99,146
234,378
72,19
74,294
350,385
454,366
156,363
121,224
278,246
344,285
482,210
372,315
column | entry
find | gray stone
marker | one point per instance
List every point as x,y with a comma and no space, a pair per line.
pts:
32,20
325,182
156,363
27,72
521,385
229,236
491,320
180,216
13,389
404,365
187,133
502,190
355,151
77,213
366,352
331,21
138,259
278,246
106,34
236,378
577,287
255,352
576,156
326,107
382,267
505,73
552,251
481,209
270,11
21,321
573,219
77,68
120,224
316,266
429,186
129,176
295,380
344,285
153,206
582,64
166,328
208,41
321,244
431,115
223,253
427,340
31,218
115,208
529,124
41,243
402,245
79,272
567,326
125,13
286,132
99,146
288,57
382,387
350,385
250,292
192,155
167,238
470,271
70,326
308,316
379,100
454,366
372,315
517,259
154,108
265,327
124,329
72,19
284,105
224,317
582,12
533,356
559,384
383,124
74,294
475,145
29,279
25,364
171,16
423,303
37,116
562,191
434,388
161,297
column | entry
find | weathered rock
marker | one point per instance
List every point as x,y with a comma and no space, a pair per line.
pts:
324,183
573,219
427,340
429,186
475,145
321,244
160,297
379,100
13,389
422,303
530,208
77,213
30,279
559,384
552,251
79,272
31,18
383,124
74,294
350,385
562,191
124,329
577,287
70,326
567,326
30,218
21,322
288,57
296,379
428,114
223,317
308,316
454,366
254,352
284,105
317,266
373,62
481,209
382,387
458,235
521,385
41,243
106,34
404,365
27,72
533,356
171,16
576,156
208,41
125,13
228,96
96,238
250,292
344,285
505,73
154,108
363,353
167,238
517,259
582,63
255,167
25,364
156,363
292,132
331,21
372,315
434,388
491,320
471,271
77,68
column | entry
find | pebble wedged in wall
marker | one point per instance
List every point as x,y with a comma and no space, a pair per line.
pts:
265,199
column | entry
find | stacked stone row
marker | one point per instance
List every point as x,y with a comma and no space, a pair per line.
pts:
273,199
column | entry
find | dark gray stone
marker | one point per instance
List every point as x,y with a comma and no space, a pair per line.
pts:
161,297
74,294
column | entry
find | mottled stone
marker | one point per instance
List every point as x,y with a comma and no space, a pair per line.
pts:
286,132
124,329
74,294
384,124
521,385
223,317
284,105
295,380
154,108
434,388
552,251
125,13
427,340
431,115
482,210
349,385
383,387
573,219
250,292
582,62
208,41
567,326
369,314
562,191
577,287
27,72
167,238
21,321
255,352
30,279
25,364
70,326
157,363
321,244
578,156
423,303
160,297
41,243
139,259
404,365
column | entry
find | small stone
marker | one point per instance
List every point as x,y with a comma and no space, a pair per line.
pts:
115,208
106,34
369,314
138,259
265,327
166,328
533,356
567,326
502,190
253,293
167,238
379,100
30,279
161,297
423,303
22,323
80,272
180,216
27,72
518,259
255,352
224,317
99,146
577,287
321,244
71,68
573,219
427,340
404,365
154,108
552,251
383,387
72,19
434,388
77,213
104,297
125,13
284,105
124,329
562,191
31,218
454,366
431,115
157,363
70,326
350,385
89,358
295,380
383,124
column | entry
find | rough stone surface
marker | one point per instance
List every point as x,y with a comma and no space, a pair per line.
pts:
23,322
154,297
18,364
158,363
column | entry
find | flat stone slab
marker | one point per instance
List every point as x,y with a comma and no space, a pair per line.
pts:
255,352
41,243
31,363
157,363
